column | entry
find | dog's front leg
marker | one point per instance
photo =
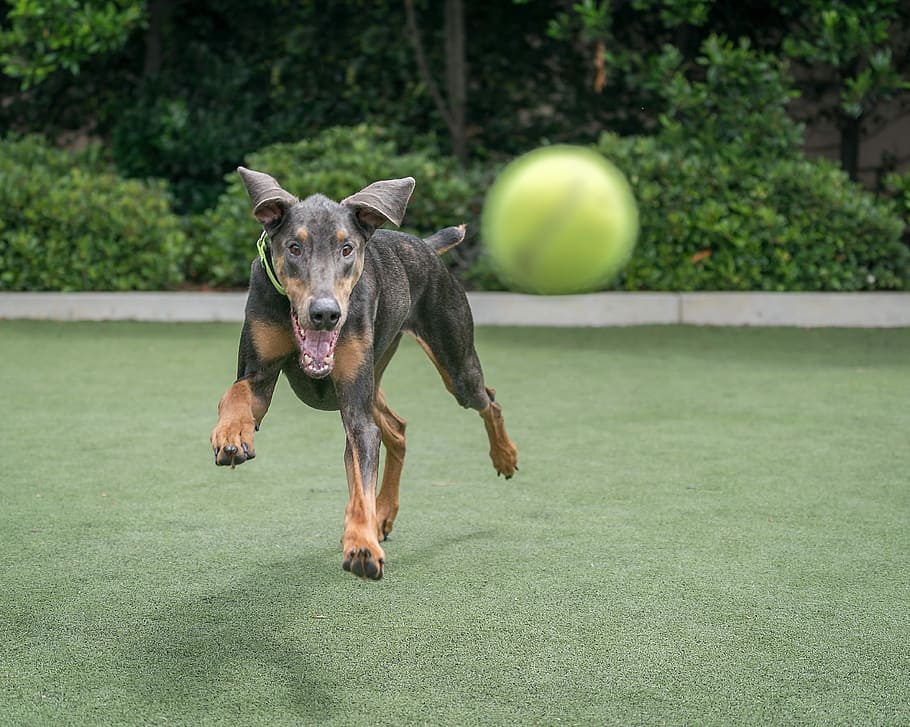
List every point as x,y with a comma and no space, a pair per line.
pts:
362,554
247,400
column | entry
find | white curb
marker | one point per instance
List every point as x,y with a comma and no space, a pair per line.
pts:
810,310
175,307
596,309
849,310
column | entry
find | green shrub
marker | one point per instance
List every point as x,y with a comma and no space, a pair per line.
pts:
736,100
708,223
729,202
66,223
336,163
189,134
898,188
712,218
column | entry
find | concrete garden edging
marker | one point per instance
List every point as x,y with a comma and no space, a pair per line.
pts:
849,310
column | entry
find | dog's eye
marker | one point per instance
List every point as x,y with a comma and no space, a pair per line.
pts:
347,250
295,249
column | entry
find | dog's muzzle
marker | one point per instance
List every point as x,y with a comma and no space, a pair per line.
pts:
317,341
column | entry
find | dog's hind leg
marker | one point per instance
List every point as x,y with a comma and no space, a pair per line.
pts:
503,451
391,429
449,342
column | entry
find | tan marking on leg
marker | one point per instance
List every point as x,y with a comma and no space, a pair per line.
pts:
350,353
361,552
238,412
272,341
446,379
391,427
503,452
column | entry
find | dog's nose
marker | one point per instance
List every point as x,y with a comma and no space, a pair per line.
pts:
324,313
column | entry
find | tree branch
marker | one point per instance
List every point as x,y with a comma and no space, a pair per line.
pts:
424,69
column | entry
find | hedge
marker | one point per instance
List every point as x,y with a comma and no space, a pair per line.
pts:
728,201
792,225
724,219
712,218
68,223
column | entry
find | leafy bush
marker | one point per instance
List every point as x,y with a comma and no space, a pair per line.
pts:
711,220
66,223
738,100
708,223
336,163
728,201
898,187
189,134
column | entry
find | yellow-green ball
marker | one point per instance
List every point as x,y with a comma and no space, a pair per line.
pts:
558,220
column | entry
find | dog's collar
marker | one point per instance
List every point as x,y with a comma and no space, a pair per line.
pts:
266,261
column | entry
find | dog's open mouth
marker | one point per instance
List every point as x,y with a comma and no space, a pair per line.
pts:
317,349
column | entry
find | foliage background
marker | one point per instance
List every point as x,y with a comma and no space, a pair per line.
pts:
163,99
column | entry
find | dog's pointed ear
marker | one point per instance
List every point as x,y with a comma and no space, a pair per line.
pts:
270,202
381,202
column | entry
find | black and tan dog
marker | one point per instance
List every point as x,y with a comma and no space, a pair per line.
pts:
329,300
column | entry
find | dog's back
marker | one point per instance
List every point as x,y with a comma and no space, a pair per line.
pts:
410,281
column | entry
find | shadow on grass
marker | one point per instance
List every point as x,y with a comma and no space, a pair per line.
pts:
234,652
293,641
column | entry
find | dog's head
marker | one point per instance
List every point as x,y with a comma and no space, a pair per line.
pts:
318,248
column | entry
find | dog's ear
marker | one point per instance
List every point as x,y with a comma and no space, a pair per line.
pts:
270,202
381,202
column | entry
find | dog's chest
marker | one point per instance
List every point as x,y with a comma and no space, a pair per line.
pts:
317,393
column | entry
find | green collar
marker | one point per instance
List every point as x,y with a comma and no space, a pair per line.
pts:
267,263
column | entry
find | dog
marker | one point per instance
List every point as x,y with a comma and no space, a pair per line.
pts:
330,297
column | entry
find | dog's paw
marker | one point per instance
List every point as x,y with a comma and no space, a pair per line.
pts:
365,560
232,442
505,458
385,527
385,518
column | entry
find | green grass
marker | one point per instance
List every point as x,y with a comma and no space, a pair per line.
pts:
710,526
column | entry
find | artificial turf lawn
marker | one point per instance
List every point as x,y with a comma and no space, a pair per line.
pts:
710,526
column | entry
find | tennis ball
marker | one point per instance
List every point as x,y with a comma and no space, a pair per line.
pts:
560,219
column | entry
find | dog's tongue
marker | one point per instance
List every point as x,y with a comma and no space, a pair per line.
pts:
318,343
317,352
317,348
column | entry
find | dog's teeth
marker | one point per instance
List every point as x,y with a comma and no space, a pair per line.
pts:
330,360
307,359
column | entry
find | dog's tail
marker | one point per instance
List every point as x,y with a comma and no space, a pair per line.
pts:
446,238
